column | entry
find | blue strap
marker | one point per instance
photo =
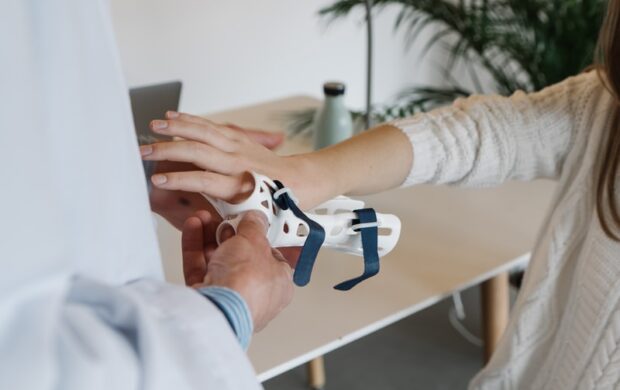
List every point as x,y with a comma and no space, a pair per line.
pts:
314,241
370,238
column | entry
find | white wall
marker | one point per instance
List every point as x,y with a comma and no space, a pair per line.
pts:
233,52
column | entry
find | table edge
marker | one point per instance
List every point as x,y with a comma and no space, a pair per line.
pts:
277,370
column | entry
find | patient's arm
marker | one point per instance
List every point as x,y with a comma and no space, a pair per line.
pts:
376,160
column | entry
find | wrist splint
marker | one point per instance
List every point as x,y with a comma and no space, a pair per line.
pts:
342,224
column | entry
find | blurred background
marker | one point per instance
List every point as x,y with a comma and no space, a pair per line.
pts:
233,53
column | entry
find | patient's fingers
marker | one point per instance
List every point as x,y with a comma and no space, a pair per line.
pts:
189,118
200,120
207,133
229,188
268,139
199,154
265,138
226,129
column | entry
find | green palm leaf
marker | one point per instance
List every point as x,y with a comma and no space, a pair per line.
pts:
523,44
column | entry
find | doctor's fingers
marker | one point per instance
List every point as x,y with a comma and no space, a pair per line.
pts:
253,227
202,155
206,133
228,188
210,222
192,245
290,255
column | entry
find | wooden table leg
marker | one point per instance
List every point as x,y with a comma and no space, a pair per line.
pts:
316,373
495,311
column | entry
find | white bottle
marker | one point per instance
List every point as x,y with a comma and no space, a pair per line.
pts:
332,123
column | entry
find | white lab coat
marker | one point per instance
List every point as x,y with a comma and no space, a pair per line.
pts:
75,225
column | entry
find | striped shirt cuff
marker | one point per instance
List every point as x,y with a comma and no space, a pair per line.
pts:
235,309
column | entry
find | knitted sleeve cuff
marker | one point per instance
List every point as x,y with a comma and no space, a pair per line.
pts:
426,149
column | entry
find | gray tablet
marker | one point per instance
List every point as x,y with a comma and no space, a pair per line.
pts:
148,103
152,102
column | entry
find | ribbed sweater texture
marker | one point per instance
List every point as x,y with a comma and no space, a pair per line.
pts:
564,330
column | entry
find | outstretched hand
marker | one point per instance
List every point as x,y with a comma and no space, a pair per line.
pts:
223,155
177,205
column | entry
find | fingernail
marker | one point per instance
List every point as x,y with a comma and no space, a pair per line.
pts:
172,115
159,179
159,124
145,150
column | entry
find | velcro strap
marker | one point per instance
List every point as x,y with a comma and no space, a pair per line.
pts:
314,241
367,224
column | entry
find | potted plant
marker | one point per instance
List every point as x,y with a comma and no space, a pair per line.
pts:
521,44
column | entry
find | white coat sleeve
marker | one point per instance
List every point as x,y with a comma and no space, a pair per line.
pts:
82,300
145,335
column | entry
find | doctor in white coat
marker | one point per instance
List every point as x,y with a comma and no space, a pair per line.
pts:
82,301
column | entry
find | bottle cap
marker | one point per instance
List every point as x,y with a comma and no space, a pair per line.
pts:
333,88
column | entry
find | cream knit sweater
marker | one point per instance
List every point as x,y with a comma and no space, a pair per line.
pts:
564,331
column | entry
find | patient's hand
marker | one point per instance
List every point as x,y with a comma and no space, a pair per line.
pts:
176,206
224,155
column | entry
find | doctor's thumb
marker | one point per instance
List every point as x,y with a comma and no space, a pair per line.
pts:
253,226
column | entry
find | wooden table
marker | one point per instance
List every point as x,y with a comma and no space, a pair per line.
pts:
452,238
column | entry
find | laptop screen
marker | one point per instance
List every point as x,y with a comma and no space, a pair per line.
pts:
148,103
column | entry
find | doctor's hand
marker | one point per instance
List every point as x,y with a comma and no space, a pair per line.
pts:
244,262
177,206
224,155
